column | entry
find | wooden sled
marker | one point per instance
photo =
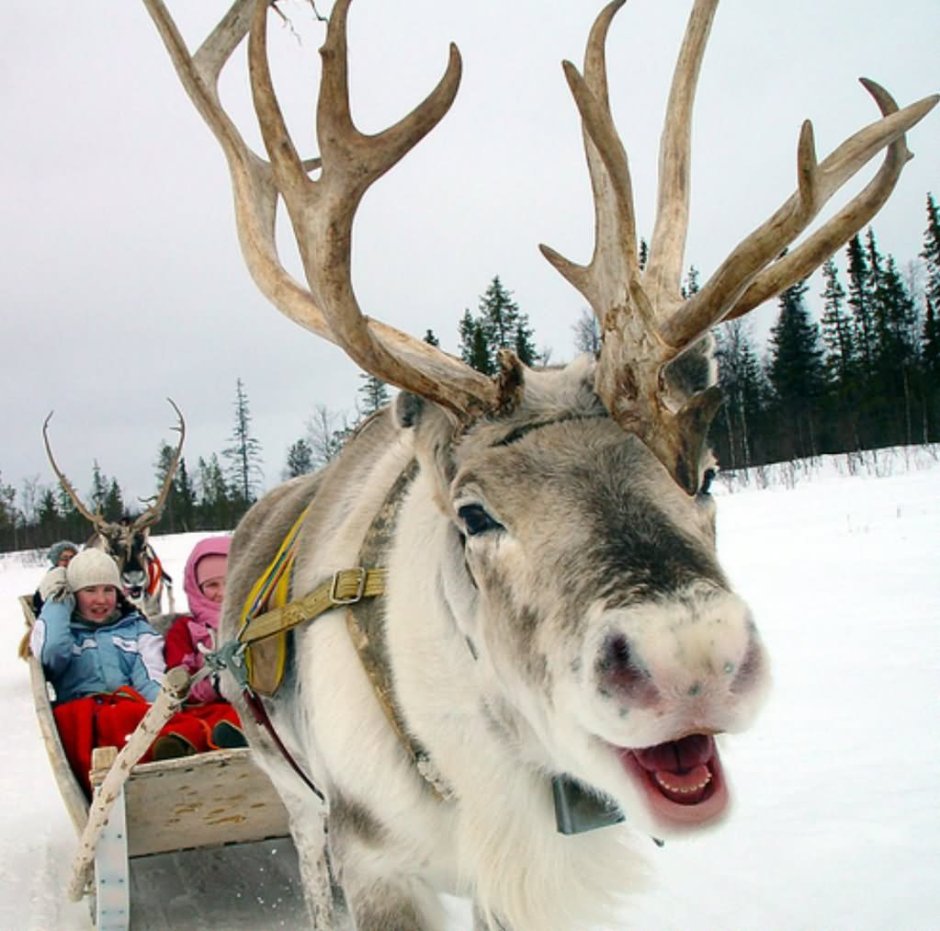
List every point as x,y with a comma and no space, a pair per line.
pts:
139,810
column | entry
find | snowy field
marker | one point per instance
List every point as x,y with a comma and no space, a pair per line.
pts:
837,824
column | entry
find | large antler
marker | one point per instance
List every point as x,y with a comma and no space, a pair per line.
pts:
321,209
148,517
645,321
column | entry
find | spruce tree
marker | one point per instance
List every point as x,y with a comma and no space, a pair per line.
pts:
48,518
114,508
841,362
796,375
373,394
299,459
499,324
244,455
215,506
183,495
930,331
99,488
474,347
860,299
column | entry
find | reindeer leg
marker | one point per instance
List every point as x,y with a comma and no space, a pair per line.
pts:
308,830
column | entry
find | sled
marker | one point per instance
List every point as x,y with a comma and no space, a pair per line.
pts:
140,810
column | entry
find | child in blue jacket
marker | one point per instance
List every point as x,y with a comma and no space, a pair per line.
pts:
105,662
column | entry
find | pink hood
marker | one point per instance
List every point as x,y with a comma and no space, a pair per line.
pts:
204,612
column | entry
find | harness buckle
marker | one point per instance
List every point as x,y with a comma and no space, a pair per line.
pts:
343,575
230,656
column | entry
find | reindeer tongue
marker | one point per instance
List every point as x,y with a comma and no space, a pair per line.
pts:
679,768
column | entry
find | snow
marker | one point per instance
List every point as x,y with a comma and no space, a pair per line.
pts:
837,823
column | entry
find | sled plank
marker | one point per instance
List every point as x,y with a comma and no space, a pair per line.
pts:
72,794
204,800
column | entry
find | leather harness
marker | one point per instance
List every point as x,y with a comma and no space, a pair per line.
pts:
358,589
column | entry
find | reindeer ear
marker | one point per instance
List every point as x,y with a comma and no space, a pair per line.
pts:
407,409
434,431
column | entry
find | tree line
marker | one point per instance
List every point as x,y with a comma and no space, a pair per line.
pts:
866,375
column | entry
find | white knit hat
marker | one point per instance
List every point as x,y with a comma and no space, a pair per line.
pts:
92,567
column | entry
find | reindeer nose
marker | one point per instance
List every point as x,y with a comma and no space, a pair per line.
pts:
620,672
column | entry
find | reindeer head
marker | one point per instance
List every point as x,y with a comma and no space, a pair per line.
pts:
126,540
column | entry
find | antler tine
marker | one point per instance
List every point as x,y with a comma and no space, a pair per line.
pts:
809,255
615,261
382,349
663,273
322,211
152,514
817,183
96,519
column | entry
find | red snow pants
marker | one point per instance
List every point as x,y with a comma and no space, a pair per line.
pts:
108,719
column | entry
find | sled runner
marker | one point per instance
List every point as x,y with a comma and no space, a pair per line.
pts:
138,810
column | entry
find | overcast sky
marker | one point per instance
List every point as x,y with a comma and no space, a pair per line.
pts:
122,281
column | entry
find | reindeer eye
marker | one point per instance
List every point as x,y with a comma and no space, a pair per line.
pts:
476,519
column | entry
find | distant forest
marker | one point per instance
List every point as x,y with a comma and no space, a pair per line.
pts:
860,372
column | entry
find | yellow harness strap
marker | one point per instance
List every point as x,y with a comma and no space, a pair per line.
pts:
344,588
268,614
264,663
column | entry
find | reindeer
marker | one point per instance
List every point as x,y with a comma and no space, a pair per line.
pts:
507,620
127,540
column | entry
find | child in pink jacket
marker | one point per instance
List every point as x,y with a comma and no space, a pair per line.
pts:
204,584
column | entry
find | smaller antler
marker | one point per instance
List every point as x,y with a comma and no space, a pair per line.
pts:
96,519
152,514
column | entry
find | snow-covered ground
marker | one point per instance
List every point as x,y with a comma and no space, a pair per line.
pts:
837,823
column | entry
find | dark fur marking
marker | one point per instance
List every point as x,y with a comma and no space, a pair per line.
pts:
519,432
385,908
352,820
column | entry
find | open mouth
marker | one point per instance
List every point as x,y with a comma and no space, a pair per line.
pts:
681,780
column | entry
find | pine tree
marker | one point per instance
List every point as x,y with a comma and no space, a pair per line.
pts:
244,455
841,362
931,253
474,348
114,508
431,339
373,393
9,518
164,461
47,517
183,495
499,324
99,488
796,375
893,346
930,331
860,298
691,285
216,509
299,459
